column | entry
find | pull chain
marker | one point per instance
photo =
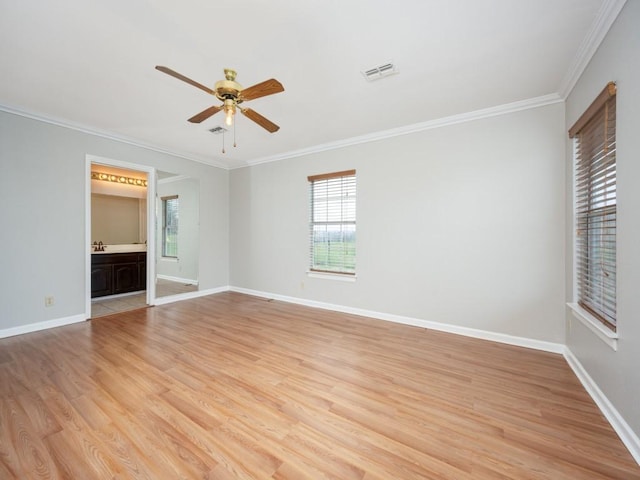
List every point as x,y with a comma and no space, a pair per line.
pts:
223,142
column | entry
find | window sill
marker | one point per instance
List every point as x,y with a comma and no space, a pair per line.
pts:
169,259
588,320
331,276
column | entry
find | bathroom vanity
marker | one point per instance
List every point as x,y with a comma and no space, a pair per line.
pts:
114,271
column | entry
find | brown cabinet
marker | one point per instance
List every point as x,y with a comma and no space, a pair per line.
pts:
113,273
101,283
142,271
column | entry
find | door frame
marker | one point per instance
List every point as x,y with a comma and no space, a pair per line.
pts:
151,223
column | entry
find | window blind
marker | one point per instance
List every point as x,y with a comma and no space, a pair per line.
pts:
595,207
332,228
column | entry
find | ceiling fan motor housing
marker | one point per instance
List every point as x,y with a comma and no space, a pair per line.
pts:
228,88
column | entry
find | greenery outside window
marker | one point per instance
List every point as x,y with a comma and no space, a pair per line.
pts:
170,226
332,228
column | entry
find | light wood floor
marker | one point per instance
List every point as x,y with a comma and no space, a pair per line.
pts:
235,387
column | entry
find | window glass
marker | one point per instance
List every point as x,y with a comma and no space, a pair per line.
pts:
333,222
170,226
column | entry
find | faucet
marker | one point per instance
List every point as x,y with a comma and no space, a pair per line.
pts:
98,247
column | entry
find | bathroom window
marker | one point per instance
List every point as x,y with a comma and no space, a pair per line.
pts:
170,226
332,227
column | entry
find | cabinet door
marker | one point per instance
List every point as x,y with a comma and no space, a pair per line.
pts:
101,280
142,271
125,278
142,276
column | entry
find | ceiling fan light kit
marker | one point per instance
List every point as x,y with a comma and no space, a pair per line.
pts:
229,111
231,94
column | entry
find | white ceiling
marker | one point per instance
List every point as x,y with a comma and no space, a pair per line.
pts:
90,63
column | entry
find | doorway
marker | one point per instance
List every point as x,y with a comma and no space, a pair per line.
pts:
118,276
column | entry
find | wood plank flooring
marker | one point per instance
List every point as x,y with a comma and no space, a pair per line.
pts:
236,387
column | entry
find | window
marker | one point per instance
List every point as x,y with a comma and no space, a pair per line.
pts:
332,228
594,135
170,226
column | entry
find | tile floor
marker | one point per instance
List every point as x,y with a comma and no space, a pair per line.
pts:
107,306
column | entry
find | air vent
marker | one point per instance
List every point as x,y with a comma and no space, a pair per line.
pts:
217,130
379,71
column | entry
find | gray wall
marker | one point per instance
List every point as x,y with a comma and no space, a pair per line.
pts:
462,225
615,372
42,185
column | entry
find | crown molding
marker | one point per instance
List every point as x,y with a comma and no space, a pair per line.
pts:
175,178
607,14
370,137
108,135
414,128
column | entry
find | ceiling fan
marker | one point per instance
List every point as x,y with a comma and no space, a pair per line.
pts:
232,95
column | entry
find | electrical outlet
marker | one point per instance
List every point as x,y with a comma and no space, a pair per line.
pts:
48,301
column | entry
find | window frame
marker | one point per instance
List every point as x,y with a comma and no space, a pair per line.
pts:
595,210
345,183
165,226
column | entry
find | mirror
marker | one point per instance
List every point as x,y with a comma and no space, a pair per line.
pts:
117,219
177,234
118,208
119,222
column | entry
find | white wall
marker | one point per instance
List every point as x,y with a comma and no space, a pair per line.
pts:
462,225
42,186
616,372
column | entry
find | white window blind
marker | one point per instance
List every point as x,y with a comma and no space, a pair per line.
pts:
595,208
332,227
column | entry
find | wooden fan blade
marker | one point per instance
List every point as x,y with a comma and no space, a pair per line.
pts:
268,87
203,115
179,76
260,120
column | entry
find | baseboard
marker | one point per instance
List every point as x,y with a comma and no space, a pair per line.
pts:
187,295
416,322
35,327
186,281
117,295
621,427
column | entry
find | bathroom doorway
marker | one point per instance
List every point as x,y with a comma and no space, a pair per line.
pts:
120,218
